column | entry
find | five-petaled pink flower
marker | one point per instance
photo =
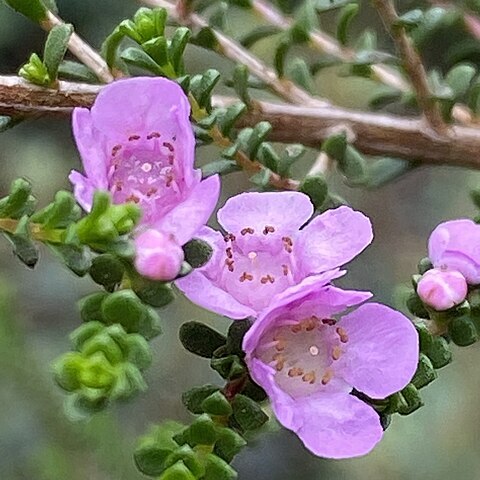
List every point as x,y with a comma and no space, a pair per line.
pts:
137,143
267,249
308,361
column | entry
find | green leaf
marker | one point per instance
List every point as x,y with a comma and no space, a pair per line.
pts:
305,22
323,6
56,47
247,413
218,469
91,307
125,308
289,156
316,187
228,117
33,9
77,72
76,257
299,71
138,58
385,170
235,335
107,270
157,48
177,48
179,471
268,156
410,19
193,399
16,204
281,56
189,457
335,146
206,38
347,14
156,294
200,339
51,5
216,404
460,77
221,167
228,367
259,33
228,444
202,86
353,166
202,431
462,331
197,252
425,373
412,400
241,77
23,247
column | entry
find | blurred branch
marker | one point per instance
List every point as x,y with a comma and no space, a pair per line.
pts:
412,63
82,50
232,50
374,134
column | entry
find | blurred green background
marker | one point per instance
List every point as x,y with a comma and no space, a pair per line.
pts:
37,309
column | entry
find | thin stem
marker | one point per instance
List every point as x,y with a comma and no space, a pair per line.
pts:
413,65
371,133
37,232
229,48
82,50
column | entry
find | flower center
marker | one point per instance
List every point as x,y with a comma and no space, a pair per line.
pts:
303,353
143,171
253,274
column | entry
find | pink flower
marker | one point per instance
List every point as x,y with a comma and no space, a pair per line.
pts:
455,245
308,363
442,289
158,257
266,250
137,143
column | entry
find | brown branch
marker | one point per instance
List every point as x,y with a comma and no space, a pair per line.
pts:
374,134
232,50
82,50
413,65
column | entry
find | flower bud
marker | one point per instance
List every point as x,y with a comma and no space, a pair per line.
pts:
442,289
158,256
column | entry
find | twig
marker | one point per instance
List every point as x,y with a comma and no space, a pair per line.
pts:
413,65
86,54
374,134
232,50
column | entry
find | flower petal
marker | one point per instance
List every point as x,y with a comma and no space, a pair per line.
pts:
83,189
140,105
456,245
286,212
202,291
91,147
381,354
335,425
332,239
186,219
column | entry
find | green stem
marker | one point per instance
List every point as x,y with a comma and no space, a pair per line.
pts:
37,231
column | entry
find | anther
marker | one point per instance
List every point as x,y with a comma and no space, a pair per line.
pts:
336,352
153,135
229,252
296,328
133,137
280,346
119,185
268,229
310,324
246,276
229,263
288,244
280,364
249,230
327,376
342,333
151,191
132,198
229,237
295,372
171,159
169,179
285,269
267,279
116,149
169,146
329,321
310,377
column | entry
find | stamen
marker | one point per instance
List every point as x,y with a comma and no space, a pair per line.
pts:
310,324
287,244
314,350
229,237
268,229
310,377
169,146
280,346
119,185
342,333
229,252
133,137
151,191
132,198
169,179
267,279
297,328
153,135
246,276
329,321
280,364
336,352
249,230
295,372
171,159
327,376
285,269
229,263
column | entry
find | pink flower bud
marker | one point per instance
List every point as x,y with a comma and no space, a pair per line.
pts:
158,256
442,289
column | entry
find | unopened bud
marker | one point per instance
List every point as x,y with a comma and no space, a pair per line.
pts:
158,256
442,289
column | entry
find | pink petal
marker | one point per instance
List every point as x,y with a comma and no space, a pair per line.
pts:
286,212
140,105
186,219
332,239
381,354
336,425
202,291
83,189
456,245
91,146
